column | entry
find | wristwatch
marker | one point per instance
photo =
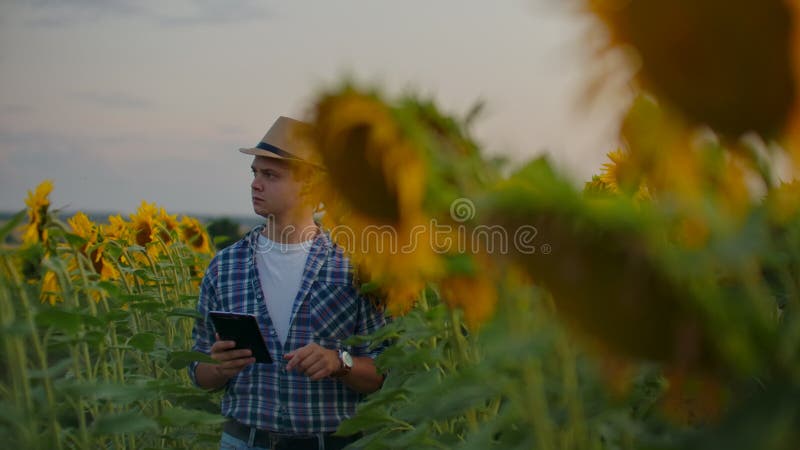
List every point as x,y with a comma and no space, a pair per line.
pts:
345,364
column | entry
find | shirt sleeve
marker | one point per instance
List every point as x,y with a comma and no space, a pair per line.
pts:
370,319
203,330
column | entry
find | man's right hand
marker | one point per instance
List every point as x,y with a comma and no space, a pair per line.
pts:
231,361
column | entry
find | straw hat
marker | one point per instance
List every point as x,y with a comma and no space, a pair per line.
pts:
288,139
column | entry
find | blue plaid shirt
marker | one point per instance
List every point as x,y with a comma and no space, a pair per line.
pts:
327,310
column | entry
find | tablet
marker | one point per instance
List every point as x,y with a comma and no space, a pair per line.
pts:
243,329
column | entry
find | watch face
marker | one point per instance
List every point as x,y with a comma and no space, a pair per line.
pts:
347,359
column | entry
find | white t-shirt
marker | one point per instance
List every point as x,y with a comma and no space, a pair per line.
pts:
280,271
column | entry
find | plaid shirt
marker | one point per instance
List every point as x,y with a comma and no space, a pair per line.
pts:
327,310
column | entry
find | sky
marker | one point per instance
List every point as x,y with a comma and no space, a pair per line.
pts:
119,101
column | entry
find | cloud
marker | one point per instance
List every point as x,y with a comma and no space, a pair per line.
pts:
58,13
114,100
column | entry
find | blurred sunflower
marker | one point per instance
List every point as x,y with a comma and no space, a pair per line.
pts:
51,289
617,176
783,202
116,229
374,193
194,234
38,203
474,292
369,160
722,63
83,227
611,170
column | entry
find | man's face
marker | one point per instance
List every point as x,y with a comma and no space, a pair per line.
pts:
274,189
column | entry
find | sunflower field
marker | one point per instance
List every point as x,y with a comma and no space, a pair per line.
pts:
651,307
96,322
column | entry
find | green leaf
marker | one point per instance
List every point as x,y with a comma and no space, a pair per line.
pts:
120,393
16,329
12,415
182,417
11,224
361,422
129,422
113,288
185,312
63,320
179,360
148,306
145,342
74,240
53,371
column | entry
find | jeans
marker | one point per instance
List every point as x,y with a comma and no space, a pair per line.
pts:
229,442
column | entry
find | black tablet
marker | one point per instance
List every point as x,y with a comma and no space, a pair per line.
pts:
243,329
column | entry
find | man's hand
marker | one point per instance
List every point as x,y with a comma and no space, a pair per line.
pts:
313,360
231,361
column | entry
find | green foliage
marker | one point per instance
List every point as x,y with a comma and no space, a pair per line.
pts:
104,366
519,382
223,232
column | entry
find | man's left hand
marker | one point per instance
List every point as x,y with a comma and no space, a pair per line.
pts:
314,361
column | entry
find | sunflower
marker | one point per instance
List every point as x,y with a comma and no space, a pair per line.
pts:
369,160
38,203
374,193
143,224
721,63
783,202
116,229
94,246
167,225
611,170
619,175
194,234
398,259
83,227
475,293
51,289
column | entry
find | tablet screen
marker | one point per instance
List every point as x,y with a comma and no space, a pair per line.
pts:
243,329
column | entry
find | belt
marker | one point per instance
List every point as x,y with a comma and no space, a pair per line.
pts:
280,441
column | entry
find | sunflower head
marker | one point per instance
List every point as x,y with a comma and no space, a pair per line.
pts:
143,224
194,234
393,174
167,225
83,227
51,290
370,163
722,63
116,229
38,203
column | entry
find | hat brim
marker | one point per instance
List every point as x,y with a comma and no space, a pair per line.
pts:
255,151
261,152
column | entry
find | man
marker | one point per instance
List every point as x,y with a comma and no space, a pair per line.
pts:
298,284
